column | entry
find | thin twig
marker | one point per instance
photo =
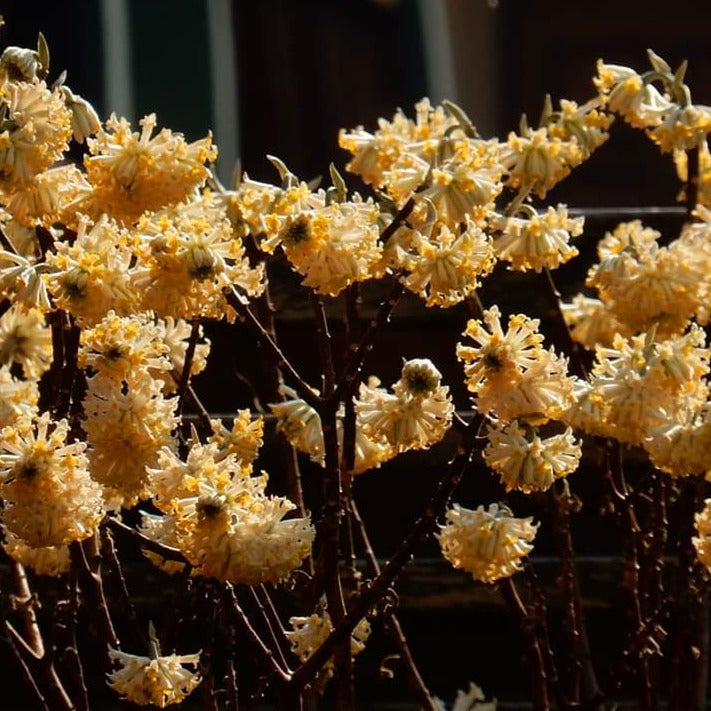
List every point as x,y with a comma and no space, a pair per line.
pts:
241,306
375,590
392,624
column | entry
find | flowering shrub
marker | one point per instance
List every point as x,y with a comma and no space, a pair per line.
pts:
111,266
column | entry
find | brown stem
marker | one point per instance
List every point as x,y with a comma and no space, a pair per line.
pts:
392,624
583,671
24,668
148,543
241,306
537,667
86,557
692,180
108,551
268,613
188,364
375,590
570,345
26,606
253,639
400,217
351,372
323,339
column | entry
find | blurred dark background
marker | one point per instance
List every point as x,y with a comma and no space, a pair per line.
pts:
281,77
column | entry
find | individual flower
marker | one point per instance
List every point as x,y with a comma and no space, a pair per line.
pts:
158,680
50,499
538,241
527,462
132,173
25,339
488,543
445,267
300,424
416,415
85,120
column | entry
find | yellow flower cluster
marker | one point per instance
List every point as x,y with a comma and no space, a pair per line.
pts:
415,415
510,373
671,120
157,680
133,173
527,462
49,497
217,513
307,633
488,543
642,383
537,241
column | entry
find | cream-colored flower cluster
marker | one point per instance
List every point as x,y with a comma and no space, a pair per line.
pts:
415,415
671,120
218,514
159,680
641,284
307,634
488,543
49,496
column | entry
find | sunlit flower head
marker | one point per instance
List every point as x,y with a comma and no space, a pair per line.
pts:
541,240
625,92
25,339
38,133
445,267
527,462
488,543
118,346
157,680
538,161
51,561
415,415
50,499
132,173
